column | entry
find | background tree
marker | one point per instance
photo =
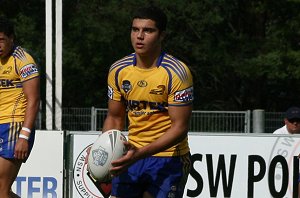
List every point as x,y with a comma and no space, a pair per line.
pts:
244,53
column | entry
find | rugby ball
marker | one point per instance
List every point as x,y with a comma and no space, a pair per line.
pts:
108,147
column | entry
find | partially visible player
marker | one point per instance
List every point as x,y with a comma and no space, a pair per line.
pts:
291,126
291,122
157,91
19,104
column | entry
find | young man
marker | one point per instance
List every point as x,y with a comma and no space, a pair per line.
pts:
19,104
156,90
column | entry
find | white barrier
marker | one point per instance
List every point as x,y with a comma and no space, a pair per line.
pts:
42,175
80,184
243,165
224,165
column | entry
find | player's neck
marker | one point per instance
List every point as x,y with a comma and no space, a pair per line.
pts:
4,59
147,61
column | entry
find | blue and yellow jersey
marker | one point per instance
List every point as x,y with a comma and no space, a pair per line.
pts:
18,68
148,93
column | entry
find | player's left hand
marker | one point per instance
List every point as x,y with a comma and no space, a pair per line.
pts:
21,149
120,165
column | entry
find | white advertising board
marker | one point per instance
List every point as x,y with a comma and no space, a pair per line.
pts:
42,175
243,166
224,165
82,184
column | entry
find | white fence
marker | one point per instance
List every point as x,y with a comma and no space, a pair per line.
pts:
91,119
205,121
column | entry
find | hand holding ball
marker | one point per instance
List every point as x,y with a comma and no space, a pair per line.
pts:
108,147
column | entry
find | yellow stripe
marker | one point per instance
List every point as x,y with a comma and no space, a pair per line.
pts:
14,129
10,134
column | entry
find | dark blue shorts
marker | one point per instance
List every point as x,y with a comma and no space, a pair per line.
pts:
159,176
9,134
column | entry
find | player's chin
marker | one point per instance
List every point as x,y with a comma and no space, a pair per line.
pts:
296,131
140,51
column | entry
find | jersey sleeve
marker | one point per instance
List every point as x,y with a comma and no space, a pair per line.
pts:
113,91
182,91
26,66
114,77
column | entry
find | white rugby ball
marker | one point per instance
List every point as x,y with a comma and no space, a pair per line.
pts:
108,147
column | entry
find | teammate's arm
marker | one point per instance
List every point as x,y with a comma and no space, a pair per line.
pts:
31,89
116,115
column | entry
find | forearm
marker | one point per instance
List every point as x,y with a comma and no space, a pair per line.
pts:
31,112
31,90
115,118
113,123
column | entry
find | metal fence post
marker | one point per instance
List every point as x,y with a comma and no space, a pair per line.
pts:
93,119
247,121
258,121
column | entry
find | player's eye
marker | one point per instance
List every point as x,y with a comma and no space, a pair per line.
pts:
149,30
134,29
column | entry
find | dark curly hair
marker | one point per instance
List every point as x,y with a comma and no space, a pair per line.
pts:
6,27
153,13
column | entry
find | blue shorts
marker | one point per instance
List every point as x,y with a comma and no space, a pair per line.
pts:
159,176
9,134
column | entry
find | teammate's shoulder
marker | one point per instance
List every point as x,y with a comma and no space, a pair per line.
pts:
21,54
123,62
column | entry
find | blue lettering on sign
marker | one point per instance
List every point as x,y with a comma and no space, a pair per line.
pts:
48,187
31,188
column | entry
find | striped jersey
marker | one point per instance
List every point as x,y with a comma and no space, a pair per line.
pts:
18,68
147,94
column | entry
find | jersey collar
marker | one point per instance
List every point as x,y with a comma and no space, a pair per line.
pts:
159,60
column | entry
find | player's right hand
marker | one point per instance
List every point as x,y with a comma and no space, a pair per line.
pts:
21,149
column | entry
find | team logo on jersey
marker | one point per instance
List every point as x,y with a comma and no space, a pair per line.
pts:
28,70
8,70
160,89
126,86
185,95
142,83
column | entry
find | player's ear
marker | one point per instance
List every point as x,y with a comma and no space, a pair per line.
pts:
162,35
11,38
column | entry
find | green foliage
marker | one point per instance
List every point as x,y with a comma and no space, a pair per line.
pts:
244,54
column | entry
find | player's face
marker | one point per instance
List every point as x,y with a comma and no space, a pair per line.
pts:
293,125
6,45
145,37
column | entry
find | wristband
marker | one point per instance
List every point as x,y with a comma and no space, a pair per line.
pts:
23,137
26,129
